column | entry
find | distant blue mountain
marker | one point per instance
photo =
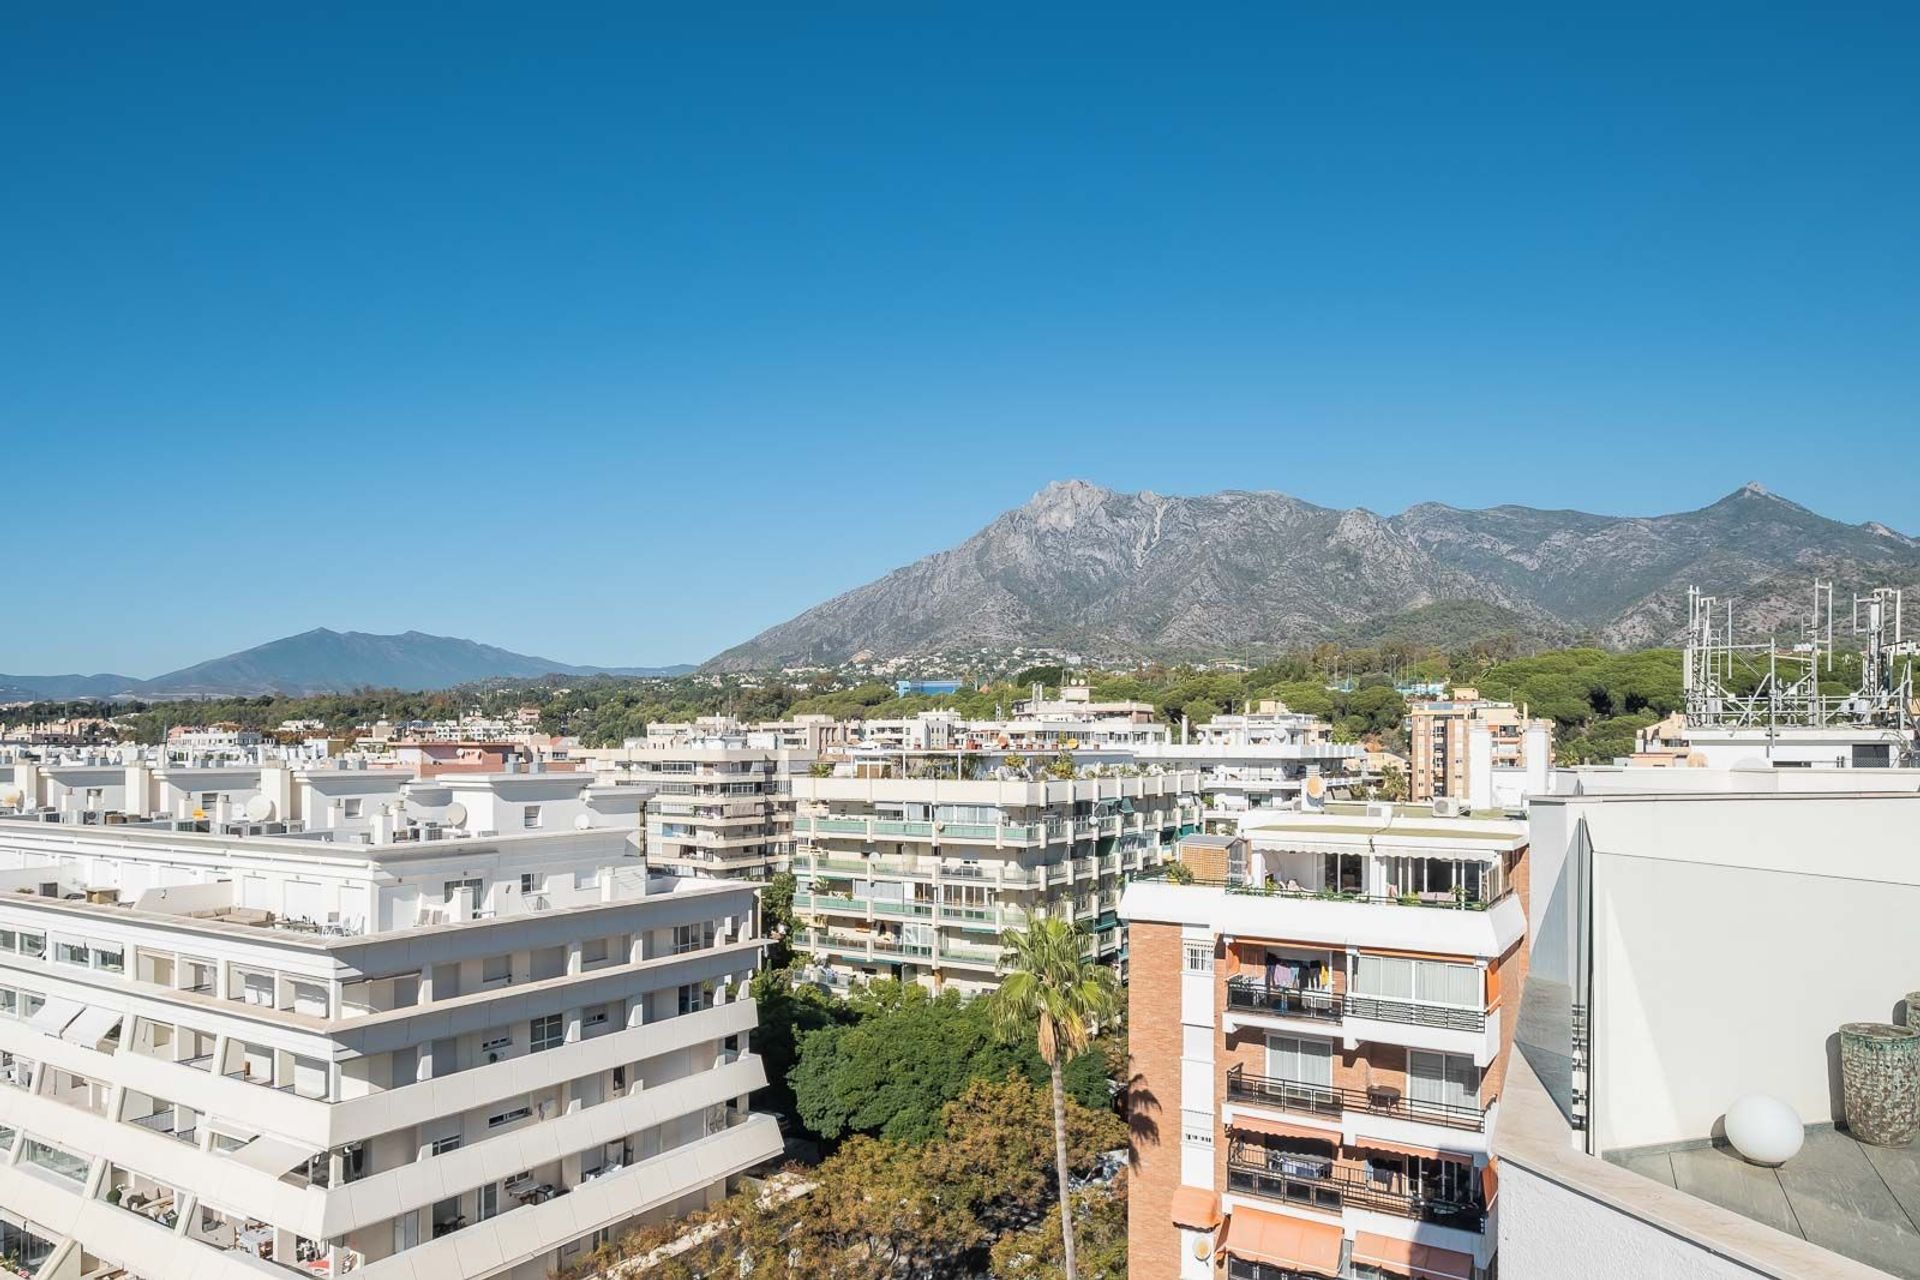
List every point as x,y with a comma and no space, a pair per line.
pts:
323,661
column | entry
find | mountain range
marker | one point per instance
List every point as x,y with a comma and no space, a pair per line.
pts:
1126,576
322,661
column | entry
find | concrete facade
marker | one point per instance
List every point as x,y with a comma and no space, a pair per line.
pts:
462,1056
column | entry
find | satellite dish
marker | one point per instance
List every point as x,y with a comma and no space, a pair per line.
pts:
260,809
583,822
456,814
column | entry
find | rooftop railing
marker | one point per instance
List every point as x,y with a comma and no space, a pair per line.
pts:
1455,900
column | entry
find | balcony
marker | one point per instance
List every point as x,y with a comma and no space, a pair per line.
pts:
1381,1101
1330,1190
1255,995
1283,1095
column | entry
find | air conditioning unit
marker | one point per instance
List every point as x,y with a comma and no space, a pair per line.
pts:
1451,807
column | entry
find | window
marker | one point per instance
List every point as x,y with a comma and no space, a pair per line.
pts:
9,1002
1199,957
530,817
545,1033
33,944
51,1158
596,1016
350,807
70,953
9,940
692,937
509,1116
530,883
1446,1079
696,996
593,950
1300,1060
1423,981
496,969
475,890
207,800
443,1145
111,960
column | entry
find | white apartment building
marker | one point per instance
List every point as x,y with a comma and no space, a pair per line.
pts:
915,878
720,804
1264,759
1700,935
406,1051
1320,1023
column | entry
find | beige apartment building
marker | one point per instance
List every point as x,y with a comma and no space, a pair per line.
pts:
720,803
1481,753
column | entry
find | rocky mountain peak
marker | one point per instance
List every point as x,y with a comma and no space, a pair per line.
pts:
1109,575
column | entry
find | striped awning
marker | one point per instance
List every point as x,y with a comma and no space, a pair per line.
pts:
1286,1242
1196,1207
1418,1153
1418,1261
1282,1129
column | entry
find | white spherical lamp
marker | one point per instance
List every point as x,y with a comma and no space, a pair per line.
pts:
1764,1130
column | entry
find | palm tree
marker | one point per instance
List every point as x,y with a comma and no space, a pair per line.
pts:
1053,990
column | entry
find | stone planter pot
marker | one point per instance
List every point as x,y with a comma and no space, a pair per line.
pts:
1912,1011
1880,1082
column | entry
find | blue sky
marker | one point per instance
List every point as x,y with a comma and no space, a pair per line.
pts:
616,334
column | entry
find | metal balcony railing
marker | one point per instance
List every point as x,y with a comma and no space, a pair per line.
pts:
1256,995
1283,1095
1333,1100
1335,1190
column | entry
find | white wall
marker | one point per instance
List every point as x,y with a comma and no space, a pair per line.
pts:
1716,981
1733,934
1548,1232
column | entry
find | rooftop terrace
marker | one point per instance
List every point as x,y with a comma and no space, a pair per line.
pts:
1855,1199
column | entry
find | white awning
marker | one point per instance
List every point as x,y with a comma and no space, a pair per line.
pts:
54,1016
272,1156
91,1027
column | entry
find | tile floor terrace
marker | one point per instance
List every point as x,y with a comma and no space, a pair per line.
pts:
1854,1199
